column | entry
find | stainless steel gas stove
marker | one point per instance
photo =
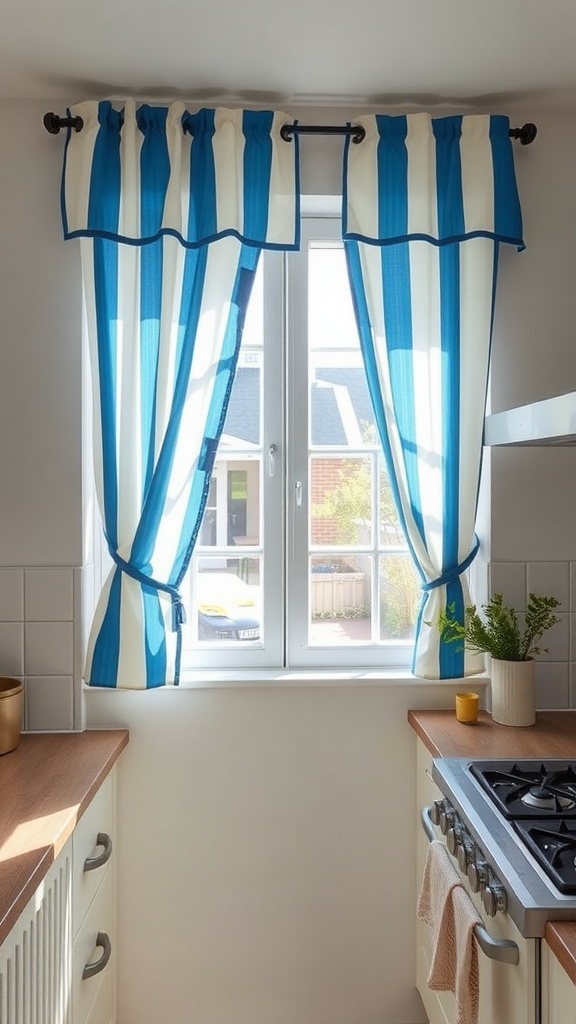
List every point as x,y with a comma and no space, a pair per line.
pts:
512,827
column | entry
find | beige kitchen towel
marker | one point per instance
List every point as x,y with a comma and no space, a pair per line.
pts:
445,906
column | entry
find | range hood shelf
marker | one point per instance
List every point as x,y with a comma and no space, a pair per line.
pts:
541,424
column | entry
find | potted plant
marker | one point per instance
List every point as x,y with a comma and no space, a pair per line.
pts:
511,646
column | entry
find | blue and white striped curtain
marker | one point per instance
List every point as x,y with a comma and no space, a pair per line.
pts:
172,209
427,203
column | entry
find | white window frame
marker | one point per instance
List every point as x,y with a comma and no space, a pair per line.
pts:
299,653
285,530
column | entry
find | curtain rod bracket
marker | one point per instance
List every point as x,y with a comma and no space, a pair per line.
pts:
357,132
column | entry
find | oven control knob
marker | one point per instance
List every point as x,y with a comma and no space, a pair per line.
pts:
477,874
454,837
494,898
447,818
436,811
465,853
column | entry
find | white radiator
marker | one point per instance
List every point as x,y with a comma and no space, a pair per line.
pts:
35,959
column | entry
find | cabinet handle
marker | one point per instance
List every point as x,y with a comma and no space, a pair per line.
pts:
102,940
91,863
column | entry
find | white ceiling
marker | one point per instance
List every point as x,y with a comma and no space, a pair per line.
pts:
471,54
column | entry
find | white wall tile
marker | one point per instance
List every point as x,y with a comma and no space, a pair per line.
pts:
573,586
573,685
479,580
551,579
552,686
509,579
49,703
557,641
83,605
11,595
49,648
85,598
11,648
48,595
573,637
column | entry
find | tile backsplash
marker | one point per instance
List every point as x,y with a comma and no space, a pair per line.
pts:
41,642
555,671
44,626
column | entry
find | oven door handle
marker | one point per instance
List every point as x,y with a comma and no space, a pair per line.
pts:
503,950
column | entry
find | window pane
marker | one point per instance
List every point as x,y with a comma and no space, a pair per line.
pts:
352,515
340,600
391,534
340,406
226,576
233,510
243,423
340,501
228,599
399,597
331,313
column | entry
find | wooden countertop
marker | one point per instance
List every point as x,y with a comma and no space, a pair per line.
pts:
46,784
553,735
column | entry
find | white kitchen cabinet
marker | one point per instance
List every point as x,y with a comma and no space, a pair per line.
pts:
67,925
507,993
558,991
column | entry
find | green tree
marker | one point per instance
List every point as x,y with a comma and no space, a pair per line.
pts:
349,506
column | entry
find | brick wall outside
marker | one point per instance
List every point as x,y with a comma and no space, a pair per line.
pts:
325,478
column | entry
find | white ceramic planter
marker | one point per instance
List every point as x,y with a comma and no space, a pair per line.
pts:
512,686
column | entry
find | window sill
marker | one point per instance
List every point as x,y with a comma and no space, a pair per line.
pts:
261,678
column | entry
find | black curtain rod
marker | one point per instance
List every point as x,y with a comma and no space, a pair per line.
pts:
527,133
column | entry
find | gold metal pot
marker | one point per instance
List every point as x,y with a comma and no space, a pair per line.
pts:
11,700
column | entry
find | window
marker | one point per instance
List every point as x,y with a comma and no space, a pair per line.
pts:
301,560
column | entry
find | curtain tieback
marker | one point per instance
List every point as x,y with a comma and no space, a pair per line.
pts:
453,574
178,610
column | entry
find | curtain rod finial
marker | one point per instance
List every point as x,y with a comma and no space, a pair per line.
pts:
53,123
527,133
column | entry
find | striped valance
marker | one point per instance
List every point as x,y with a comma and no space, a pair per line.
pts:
417,177
137,173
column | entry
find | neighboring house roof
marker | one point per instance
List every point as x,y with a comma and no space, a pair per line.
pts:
342,417
243,417
341,406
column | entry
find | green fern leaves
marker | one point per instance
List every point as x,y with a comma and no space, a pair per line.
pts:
499,632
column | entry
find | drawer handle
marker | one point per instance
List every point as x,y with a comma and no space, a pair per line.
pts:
91,863
102,940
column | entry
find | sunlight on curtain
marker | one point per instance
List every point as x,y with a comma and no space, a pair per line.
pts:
173,209
427,204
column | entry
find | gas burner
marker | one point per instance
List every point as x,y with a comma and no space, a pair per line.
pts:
542,798
529,789
553,843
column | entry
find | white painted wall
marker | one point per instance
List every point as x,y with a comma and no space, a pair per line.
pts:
266,854
40,352
265,849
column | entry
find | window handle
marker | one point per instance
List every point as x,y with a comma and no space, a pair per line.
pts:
298,492
272,449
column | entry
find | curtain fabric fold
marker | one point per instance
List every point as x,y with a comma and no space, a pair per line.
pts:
426,205
173,210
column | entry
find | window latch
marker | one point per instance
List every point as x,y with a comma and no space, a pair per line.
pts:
298,491
272,449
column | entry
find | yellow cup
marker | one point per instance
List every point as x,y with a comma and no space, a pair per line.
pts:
467,707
